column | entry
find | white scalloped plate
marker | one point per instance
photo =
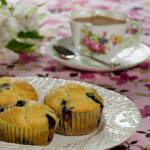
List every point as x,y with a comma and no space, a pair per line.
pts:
127,58
121,119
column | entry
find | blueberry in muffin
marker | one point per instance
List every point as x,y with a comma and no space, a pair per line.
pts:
27,122
79,108
13,89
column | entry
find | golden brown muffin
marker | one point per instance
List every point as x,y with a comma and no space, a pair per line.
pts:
27,122
12,89
78,107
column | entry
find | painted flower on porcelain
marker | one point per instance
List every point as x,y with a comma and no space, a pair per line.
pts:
116,39
98,44
84,32
96,47
86,41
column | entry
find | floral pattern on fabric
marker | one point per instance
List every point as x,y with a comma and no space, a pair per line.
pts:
146,111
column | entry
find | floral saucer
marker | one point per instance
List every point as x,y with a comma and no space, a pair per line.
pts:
128,57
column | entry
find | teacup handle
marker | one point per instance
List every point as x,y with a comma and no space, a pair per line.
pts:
135,37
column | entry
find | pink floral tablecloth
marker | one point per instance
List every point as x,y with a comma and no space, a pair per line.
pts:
133,83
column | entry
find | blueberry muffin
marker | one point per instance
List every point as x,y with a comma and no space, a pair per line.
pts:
12,89
27,122
79,108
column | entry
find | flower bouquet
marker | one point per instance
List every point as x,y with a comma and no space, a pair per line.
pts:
18,29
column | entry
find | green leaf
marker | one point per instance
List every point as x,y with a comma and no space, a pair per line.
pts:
41,16
144,71
20,64
27,50
31,10
11,9
3,2
90,34
18,46
105,85
143,94
144,80
81,42
38,66
30,34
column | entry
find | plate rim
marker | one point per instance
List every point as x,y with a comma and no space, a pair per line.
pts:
79,82
95,69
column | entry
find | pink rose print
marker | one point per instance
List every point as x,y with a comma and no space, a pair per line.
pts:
52,61
82,2
96,47
51,68
11,75
145,65
133,13
86,41
85,75
60,3
146,29
146,111
59,33
51,21
114,43
124,78
26,58
147,85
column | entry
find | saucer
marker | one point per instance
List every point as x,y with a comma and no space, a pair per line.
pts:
127,58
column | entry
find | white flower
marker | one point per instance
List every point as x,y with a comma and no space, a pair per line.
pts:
8,27
13,25
26,15
3,17
15,20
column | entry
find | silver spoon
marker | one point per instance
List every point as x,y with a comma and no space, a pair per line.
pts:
67,53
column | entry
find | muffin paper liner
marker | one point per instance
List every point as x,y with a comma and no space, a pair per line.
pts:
11,133
78,123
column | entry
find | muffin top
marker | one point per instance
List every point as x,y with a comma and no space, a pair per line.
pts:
12,89
28,113
73,97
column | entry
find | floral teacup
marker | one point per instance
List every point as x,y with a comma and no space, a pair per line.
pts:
101,40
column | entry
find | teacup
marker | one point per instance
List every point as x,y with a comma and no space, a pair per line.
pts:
106,36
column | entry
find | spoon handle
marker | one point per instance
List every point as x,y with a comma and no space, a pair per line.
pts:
110,65
67,53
